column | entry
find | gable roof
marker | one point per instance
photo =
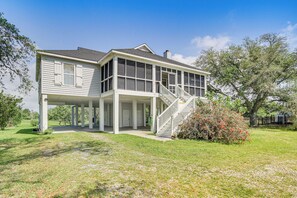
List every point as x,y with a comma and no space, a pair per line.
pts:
80,53
144,47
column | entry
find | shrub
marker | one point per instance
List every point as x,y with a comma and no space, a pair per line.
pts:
34,122
47,131
214,122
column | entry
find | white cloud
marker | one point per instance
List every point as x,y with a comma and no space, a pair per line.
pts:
190,60
203,43
206,42
291,33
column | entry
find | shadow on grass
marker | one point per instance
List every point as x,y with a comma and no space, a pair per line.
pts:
89,147
27,131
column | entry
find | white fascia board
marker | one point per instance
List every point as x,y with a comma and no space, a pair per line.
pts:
152,61
67,57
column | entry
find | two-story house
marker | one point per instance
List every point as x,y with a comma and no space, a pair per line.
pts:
123,84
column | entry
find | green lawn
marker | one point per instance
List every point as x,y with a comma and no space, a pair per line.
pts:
99,164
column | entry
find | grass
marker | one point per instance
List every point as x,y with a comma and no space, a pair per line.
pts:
99,164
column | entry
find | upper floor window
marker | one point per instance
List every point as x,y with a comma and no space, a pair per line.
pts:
68,74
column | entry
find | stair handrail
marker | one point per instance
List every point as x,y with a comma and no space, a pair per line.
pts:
166,93
182,94
165,116
183,113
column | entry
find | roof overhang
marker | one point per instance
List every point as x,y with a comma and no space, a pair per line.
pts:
67,57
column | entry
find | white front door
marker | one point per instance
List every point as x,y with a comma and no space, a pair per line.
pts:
126,117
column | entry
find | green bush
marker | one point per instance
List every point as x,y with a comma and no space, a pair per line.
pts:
214,122
47,131
34,122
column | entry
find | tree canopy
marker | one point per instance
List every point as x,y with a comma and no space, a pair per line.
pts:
10,110
16,50
256,72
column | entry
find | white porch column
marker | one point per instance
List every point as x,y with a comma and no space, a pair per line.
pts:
95,116
115,73
90,114
134,113
182,80
115,112
144,114
43,120
153,113
101,114
161,106
76,115
121,114
82,115
72,115
154,78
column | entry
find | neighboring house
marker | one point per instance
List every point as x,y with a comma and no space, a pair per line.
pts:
127,86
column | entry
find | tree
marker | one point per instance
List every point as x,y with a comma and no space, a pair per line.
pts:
10,110
61,114
26,114
16,50
255,71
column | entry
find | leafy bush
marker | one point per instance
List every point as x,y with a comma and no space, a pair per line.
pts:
34,122
47,131
214,122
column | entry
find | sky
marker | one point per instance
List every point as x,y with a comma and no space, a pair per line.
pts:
183,27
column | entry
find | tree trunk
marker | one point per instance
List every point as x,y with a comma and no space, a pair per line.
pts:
253,119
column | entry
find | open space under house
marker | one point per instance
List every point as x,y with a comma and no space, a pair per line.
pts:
131,88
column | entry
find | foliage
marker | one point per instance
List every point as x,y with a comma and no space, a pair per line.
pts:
292,108
269,109
226,101
10,110
47,131
16,51
256,71
214,122
26,114
34,122
60,113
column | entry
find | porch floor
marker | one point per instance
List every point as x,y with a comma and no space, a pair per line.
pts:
140,132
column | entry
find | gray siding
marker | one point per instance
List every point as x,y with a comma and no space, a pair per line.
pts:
91,79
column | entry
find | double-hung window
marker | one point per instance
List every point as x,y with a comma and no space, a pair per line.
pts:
68,74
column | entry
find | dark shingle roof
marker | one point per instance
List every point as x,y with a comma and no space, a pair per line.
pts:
81,53
152,56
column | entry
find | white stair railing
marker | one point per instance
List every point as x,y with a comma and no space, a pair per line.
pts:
165,116
188,107
185,96
167,95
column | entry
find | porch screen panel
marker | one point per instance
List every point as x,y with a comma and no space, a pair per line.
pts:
140,85
140,70
130,68
121,83
148,86
149,69
106,76
135,76
130,84
121,67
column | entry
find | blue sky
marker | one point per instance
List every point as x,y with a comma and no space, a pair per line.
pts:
184,27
